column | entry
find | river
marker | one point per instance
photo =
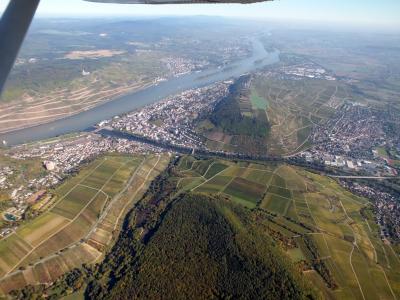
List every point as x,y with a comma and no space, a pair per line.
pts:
86,119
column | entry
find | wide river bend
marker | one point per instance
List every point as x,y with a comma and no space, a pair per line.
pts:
86,119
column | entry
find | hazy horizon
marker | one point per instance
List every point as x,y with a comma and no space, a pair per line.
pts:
359,13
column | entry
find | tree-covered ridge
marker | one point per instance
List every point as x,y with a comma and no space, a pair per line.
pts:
228,116
188,245
205,248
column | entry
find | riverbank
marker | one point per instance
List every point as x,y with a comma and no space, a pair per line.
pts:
12,119
86,119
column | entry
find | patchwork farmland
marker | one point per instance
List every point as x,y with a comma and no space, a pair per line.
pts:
326,231
82,222
292,108
320,225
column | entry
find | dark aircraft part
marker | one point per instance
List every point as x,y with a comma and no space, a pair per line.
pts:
13,27
176,1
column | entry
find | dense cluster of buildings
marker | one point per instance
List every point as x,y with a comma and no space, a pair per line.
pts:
64,156
20,194
5,173
348,141
178,66
354,130
233,52
307,70
375,167
6,231
171,120
59,159
386,208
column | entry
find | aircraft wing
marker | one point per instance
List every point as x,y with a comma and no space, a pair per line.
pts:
176,1
13,27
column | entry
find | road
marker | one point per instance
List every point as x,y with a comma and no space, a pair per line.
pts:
109,132
362,177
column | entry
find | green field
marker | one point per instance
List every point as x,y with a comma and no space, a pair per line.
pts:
244,189
296,254
215,185
280,191
258,102
259,176
276,204
214,170
278,181
203,166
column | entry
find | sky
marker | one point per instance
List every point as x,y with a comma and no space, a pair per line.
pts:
382,13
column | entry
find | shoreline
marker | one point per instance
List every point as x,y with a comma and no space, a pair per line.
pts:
153,93
48,121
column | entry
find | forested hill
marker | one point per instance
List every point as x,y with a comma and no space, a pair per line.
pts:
205,248
237,124
229,116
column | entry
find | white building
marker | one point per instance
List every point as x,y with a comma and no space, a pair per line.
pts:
50,166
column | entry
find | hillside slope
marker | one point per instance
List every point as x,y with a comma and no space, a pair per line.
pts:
213,228
236,125
206,248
